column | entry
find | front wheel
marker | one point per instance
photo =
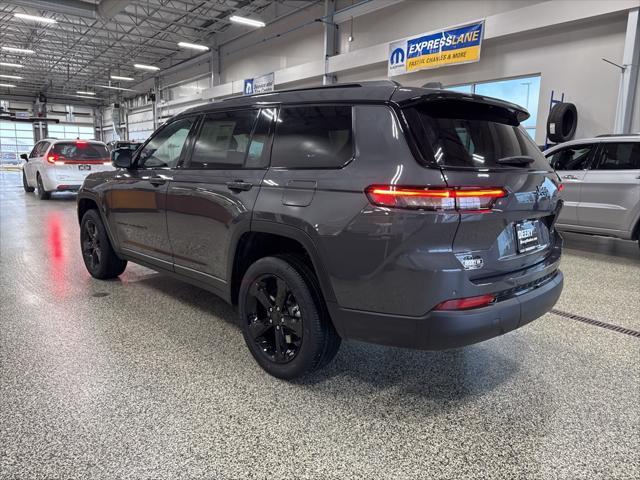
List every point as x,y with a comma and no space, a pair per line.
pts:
284,321
25,184
99,258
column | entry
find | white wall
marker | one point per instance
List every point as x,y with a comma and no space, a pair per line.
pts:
569,61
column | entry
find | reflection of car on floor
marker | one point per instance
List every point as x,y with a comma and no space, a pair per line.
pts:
323,215
601,178
62,165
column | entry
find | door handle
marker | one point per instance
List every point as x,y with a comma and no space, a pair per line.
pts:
570,177
239,185
158,180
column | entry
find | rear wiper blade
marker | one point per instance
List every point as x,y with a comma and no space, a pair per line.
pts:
516,160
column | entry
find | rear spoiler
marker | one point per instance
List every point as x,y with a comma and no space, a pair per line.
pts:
512,113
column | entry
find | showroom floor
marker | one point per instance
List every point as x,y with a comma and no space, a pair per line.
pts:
147,377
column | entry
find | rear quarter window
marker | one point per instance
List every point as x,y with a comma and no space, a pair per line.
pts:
313,137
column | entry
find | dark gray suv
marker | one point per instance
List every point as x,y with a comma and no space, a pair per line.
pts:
412,217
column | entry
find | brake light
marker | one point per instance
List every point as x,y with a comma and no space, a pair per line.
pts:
53,158
466,303
442,198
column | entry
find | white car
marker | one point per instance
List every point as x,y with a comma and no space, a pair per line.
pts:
62,165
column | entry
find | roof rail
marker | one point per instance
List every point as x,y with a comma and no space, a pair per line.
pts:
368,83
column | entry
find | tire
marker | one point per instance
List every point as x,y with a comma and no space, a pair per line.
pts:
42,193
98,255
25,184
562,122
299,318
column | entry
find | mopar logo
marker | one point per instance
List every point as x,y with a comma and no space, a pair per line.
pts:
397,56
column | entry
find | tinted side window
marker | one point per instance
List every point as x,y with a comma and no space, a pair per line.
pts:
313,137
573,158
165,148
223,140
620,156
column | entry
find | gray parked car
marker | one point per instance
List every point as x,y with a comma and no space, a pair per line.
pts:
403,216
601,179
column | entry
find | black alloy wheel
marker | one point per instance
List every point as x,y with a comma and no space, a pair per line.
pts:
284,320
101,260
275,319
91,247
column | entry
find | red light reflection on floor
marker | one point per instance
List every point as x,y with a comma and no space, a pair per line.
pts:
55,254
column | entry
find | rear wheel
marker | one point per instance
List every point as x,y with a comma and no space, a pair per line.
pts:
284,321
25,184
42,193
98,255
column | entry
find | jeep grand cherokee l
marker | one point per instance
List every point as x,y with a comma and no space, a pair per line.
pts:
403,216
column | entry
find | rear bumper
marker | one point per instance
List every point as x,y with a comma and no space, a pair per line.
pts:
440,330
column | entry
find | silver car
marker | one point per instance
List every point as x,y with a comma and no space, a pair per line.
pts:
601,178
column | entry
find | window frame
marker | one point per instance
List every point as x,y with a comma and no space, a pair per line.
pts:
351,105
599,160
266,152
593,156
185,147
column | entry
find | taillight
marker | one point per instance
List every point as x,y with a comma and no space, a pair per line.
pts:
441,198
53,158
466,303
561,187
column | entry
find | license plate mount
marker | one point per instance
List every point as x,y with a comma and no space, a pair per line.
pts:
527,235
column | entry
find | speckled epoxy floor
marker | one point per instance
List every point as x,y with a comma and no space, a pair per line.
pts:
146,377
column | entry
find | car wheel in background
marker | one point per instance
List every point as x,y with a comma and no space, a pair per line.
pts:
98,255
25,184
283,317
42,193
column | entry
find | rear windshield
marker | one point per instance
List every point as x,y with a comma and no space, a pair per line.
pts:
472,135
80,150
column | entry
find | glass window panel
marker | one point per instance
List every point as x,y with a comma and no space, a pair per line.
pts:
521,91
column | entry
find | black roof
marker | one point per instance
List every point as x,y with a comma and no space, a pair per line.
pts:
365,92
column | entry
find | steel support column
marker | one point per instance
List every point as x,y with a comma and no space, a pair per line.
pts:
330,40
629,76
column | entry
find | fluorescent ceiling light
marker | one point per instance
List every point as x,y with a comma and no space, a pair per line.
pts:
18,50
116,88
12,77
34,18
8,85
194,46
85,93
87,96
146,67
11,65
118,77
247,21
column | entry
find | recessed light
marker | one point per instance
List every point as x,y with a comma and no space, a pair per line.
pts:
18,50
146,67
12,77
118,77
34,18
194,46
247,21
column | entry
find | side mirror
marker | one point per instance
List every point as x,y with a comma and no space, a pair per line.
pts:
122,157
24,156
